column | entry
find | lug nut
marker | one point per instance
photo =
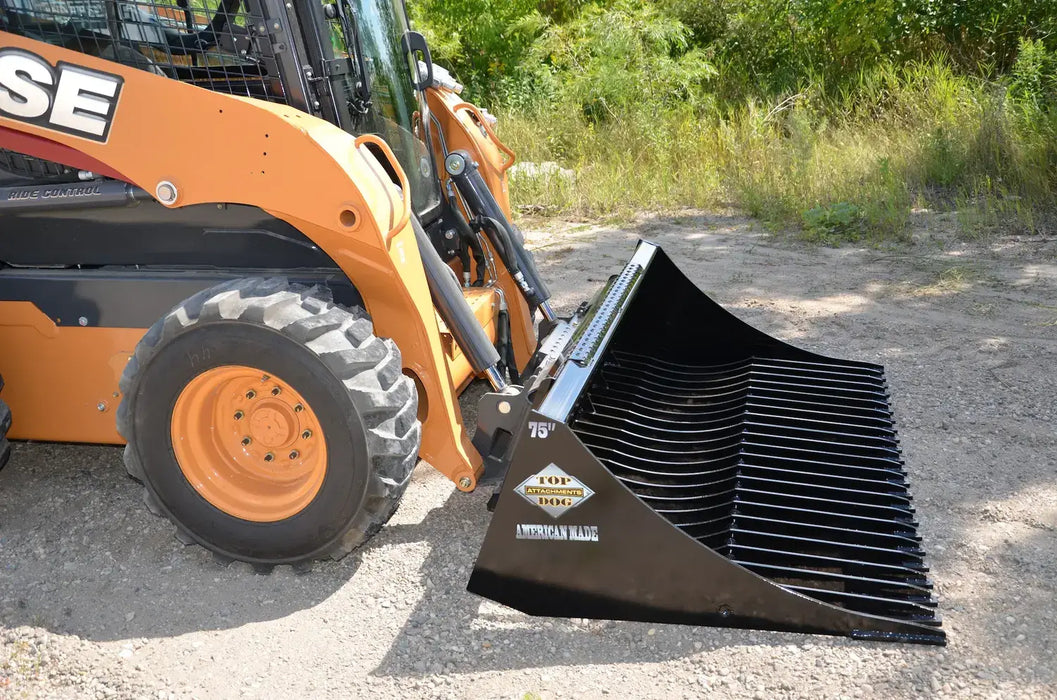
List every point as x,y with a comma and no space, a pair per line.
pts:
246,441
239,415
269,457
251,394
298,408
307,434
276,391
295,454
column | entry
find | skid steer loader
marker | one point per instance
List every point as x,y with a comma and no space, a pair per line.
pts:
265,244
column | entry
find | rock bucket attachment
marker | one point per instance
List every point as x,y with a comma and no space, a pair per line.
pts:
685,467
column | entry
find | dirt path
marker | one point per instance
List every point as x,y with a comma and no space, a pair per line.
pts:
98,599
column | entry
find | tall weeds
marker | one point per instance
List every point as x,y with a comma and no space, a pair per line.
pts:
840,117
841,164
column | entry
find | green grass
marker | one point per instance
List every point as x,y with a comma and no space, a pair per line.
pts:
846,167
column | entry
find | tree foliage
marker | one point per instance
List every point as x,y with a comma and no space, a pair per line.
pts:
627,56
608,55
837,116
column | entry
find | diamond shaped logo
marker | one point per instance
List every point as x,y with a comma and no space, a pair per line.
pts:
553,490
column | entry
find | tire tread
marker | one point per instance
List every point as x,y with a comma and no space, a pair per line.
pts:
5,425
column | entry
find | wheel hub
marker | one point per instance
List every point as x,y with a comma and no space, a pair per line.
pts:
248,443
271,426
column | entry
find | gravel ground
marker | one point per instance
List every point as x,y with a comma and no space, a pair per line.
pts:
98,600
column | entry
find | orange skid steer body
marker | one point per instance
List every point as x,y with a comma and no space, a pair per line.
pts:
266,245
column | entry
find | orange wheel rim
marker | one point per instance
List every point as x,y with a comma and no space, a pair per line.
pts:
248,443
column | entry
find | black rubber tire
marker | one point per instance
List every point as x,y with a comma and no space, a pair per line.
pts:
5,425
352,379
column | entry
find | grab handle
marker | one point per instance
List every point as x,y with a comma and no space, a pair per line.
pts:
511,156
405,188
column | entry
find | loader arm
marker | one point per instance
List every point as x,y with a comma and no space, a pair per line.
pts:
460,127
186,146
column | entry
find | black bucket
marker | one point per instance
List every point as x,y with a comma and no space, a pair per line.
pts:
684,467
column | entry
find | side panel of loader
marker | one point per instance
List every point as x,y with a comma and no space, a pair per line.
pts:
50,392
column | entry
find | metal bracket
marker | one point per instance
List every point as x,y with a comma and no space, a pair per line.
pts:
236,44
500,420
335,67
270,27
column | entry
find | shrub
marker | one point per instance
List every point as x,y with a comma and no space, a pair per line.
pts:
1033,79
835,222
486,43
629,57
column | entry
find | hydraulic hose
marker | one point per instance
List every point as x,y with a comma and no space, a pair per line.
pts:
505,246
479,258
506,346
528,265
464,260
464,172
469,242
